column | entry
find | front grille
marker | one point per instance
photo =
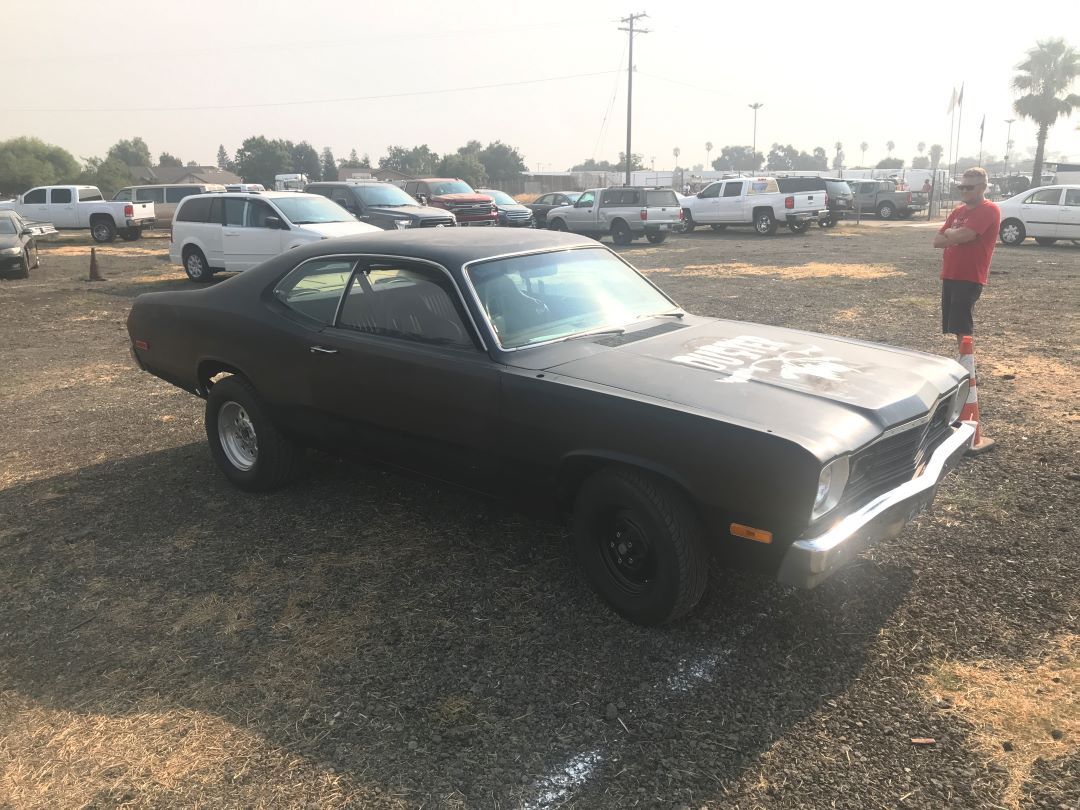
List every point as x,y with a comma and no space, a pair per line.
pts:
470,209
518,214
435,221
891,461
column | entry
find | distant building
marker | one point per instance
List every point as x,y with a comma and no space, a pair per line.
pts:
385,175
155,175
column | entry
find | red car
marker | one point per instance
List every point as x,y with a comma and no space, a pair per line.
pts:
457,197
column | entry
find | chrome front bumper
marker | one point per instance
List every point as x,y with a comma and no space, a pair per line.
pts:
810,560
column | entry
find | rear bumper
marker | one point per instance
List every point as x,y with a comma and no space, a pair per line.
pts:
810,560
802,216
140,222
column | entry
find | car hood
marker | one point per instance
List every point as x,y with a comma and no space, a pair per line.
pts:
421,211
514,207
332,229
829,394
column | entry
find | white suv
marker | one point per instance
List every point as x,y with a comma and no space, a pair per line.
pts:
236,231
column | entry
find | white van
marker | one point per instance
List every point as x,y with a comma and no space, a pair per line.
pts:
165,197
237,231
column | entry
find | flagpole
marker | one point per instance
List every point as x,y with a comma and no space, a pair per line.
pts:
959,130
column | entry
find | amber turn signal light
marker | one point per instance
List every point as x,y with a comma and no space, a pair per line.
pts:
750,533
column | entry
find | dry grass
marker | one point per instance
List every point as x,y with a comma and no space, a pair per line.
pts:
525,198
798,271
1032,708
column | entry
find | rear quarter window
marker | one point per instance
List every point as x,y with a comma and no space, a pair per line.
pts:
195,209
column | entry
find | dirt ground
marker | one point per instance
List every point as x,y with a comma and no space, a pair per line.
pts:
362,639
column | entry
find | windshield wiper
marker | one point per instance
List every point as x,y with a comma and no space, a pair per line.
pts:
667,315
616,331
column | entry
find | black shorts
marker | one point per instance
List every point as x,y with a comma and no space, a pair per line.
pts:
957,305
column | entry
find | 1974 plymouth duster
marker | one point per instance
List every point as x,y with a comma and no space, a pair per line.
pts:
542,364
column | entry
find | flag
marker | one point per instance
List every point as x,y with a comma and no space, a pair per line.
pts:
952,102
960,98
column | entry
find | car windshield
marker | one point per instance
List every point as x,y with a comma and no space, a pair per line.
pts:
573,197
383,194
7,225
309,209
501,197
549,296
451,187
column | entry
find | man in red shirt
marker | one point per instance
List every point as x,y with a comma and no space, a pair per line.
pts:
968,238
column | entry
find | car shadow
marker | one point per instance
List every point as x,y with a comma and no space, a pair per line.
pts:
400,635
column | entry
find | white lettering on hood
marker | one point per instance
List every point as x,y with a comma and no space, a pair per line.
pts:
740,358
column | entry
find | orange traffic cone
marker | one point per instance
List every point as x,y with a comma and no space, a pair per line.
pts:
970,411
95,271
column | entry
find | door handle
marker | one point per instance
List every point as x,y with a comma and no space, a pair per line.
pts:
322,350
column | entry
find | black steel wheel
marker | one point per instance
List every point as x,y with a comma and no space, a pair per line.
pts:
620,233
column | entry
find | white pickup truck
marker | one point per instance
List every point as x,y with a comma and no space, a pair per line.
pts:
625,212
755,201
73,207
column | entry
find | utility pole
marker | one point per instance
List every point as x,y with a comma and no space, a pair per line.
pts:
630,81
1008,145
755,107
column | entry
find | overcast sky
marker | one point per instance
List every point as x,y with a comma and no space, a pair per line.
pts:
87,74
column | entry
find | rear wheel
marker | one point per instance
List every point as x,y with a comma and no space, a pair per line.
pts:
826,220
620,233
886,210
244,442
640,544
657,238
764,222
798,227
1012,232
688,224
131,234
102,230
196,267
24,268
1045,240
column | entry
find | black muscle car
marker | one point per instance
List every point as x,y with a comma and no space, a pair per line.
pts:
532,363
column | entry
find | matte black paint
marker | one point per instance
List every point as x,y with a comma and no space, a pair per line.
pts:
536,420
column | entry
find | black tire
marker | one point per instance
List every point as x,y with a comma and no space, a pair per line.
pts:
24,268
1045,241
556,225
131,234
102,230
688,224
196,266
826,221
1012,232
764,222
798,227
620,233
233,406
718,228
886,210
619,511
656,238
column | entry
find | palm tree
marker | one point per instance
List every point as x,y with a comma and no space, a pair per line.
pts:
1044,79
921,147
708,151
676,152
864,146
838,161
890,146
935,155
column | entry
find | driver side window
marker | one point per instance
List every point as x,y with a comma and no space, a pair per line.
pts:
710,191
585,200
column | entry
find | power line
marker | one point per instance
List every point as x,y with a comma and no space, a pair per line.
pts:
607,113
309,101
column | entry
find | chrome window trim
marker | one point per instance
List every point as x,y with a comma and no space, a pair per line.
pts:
487,320
356,258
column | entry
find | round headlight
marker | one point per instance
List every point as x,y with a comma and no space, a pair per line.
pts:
831,483
959,400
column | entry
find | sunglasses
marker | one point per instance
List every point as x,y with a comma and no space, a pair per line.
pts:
966,187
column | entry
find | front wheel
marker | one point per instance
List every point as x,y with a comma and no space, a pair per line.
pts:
556,225
24,268
1012,232
798,227
657,238
102,230
640,544
1045,240
244,442
886,211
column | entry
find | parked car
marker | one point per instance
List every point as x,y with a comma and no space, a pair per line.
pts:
383,205
455,196
755,201
625,212
76,207
838,196
165,197
545,202
882,198
1048,214
236,231
539,364
512,214
18,244
290,182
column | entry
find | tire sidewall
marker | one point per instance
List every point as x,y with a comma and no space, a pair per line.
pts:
231,389
886,211
620,233
102,232
759,223
205,274
1021,232
600,498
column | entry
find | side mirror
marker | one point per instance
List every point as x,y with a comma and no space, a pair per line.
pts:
273,222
